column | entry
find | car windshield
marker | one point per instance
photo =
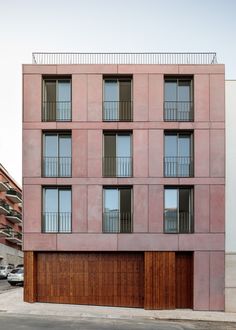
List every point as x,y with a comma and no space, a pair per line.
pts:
17,271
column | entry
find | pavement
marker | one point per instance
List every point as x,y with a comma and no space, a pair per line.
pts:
11,302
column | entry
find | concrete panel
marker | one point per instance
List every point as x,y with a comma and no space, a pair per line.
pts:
201,209
155,153
201,298
217,208
201,98
32,98
140,153
201,153
80,153
217,97
155,208
217,153
201,242
79,97
32,153
140,97
147,242
217,281
40,242
95,98
140,214
94,153
156,83
32,209
79,209
94,209
230,300
230,271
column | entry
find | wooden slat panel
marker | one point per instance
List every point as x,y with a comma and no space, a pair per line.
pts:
111,279
159,280
30,277
184,280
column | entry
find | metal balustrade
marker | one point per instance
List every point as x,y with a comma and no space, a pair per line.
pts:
117,111
178,166
117,166
178,111
56,111
124,58
117,222
178,222
57,166
56,222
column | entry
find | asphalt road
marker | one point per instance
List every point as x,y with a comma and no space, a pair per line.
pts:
28,322
4,285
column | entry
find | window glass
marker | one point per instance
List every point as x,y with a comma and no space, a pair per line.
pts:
171,198
123,146
171,149
50,200
184,146
111,200
171,90
50,146
111,90
64,200
184,90
64,93
65,146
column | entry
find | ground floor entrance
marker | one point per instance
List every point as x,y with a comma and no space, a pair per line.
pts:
151,280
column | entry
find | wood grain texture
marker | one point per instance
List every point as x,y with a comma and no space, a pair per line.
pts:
30,277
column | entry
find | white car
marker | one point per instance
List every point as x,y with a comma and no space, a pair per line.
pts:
5,270
16,276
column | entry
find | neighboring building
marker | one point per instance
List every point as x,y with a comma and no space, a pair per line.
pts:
10,220
123,180
230,234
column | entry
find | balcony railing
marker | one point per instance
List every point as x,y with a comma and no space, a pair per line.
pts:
178,222
13,236
14,195
178,111
117,222
56,222
4,207
178,166
124,58
57,167
14,216
117,111
117,166
56,111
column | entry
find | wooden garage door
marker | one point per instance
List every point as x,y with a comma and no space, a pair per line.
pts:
110,279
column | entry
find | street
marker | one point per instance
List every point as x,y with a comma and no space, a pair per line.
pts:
4,286
13,321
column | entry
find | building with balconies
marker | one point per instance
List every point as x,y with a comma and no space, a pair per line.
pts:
123,180
10,220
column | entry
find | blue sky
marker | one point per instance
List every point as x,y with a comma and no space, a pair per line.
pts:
102,26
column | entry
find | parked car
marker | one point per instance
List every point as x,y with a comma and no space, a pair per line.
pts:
5,270
16,276
20,266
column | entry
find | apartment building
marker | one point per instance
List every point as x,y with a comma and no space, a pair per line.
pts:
10,220
123,180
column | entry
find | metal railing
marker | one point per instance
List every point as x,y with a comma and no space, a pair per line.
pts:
117,110
124,58
56,222
13,192
117,222
14,213
178,166
178,111
56,111
117,166
4,205
12,233
57,167
178,222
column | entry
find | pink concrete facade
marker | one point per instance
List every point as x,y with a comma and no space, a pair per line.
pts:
148,181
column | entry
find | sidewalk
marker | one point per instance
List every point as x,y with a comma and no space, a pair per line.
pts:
12,302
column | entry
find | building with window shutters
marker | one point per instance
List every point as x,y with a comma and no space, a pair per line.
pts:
124,174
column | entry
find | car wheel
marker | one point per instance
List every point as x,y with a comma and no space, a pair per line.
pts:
13,284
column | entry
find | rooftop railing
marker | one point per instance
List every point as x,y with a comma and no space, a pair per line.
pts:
124,58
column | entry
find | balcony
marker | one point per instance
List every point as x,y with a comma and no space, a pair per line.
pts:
56,222
178,111
178,222
178,166
117,166
56,111
14,217
14,196
4,231
4,207
57,167
117,111
117,222
14,237
3,186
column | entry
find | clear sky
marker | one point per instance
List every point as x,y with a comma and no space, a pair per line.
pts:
101,26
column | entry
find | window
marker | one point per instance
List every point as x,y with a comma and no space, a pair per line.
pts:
117,160
178,160
117,214
178,216
57,99
57,154
178,105
56,210
117,99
